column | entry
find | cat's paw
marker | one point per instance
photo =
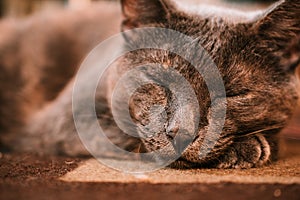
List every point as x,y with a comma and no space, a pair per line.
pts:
246,153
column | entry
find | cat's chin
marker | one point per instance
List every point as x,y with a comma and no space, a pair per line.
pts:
182,163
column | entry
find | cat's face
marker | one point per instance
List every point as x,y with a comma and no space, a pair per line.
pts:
256,60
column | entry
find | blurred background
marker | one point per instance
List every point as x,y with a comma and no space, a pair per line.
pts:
24,8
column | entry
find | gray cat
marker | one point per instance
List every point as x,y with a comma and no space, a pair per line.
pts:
256,57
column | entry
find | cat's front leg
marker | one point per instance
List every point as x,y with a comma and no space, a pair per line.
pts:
247,152
247,140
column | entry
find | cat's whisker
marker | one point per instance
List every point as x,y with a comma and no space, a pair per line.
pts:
259,131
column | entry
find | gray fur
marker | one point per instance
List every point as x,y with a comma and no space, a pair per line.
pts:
256,58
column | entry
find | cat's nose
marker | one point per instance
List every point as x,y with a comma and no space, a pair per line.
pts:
172,131
180,139
180,142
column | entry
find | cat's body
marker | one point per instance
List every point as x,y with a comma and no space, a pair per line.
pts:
256,58
39,57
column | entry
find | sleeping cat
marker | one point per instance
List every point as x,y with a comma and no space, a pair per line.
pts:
256,56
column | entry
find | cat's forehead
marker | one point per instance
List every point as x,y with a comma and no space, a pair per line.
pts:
230,15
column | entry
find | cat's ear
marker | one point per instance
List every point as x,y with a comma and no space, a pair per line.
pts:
278,32
142,12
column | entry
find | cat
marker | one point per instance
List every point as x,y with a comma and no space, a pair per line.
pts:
256,55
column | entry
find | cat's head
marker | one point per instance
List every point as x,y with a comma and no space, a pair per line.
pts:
256,57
